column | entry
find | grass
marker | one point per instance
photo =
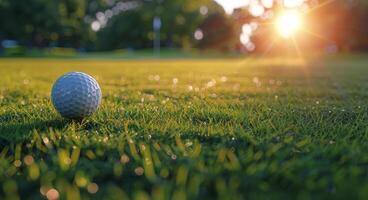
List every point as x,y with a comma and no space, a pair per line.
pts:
189,129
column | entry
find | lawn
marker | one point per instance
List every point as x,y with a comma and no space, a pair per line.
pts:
252,128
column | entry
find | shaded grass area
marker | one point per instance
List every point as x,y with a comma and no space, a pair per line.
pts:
256,128
127,54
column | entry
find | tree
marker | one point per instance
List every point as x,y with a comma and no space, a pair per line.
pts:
219,33
43,22
133,29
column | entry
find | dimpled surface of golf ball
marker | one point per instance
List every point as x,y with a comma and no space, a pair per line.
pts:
76,95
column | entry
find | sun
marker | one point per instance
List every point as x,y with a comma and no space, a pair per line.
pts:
288,23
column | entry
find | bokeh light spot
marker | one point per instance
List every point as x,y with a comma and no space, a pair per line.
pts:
95,26
198,34
52,194
293,3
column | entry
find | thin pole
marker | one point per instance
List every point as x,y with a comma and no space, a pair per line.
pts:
157,40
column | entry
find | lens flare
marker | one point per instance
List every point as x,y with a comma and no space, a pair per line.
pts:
288,23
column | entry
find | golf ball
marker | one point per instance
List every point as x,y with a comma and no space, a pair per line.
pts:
76,95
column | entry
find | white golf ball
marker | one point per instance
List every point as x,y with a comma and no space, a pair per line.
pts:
76,95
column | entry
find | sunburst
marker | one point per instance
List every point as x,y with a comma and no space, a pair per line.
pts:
288,23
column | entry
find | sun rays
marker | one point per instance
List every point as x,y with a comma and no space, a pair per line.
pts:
290,24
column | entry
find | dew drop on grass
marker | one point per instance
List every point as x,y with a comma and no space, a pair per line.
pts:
52,194
223,79
17,163
188,143
165,101
211,83
175,81
92,188
28,160
124,159
139,171
45,140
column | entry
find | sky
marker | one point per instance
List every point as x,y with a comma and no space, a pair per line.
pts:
230,5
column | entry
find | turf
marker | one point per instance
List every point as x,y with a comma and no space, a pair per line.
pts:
255,128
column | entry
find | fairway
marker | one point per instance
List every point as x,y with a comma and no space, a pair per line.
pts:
259,128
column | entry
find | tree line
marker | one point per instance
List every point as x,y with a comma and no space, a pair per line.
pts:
111,24
67,23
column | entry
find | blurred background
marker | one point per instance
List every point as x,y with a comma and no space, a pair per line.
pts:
75,27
